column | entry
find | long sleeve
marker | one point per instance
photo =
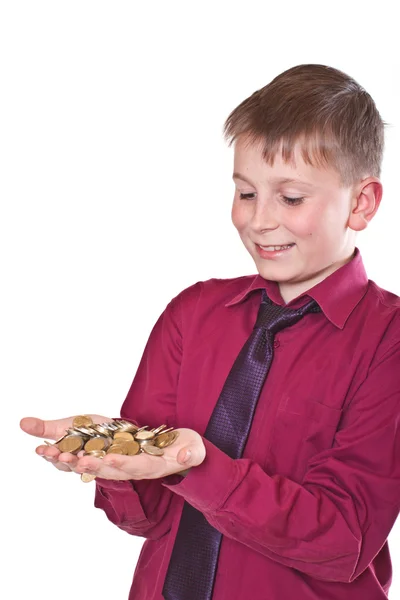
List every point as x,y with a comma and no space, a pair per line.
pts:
145,507
332,524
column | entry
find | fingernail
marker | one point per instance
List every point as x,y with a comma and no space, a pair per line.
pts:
187,456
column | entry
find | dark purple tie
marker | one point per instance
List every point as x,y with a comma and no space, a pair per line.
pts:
193,563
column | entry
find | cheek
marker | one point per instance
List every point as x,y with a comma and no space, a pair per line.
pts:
238,216
302,226
310,224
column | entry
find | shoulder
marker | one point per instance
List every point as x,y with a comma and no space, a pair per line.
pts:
382,303
211,292
200,308
386,297
382,314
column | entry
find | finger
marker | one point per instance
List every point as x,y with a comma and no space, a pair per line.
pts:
48,451
115,466
51,454
46,429
58,465
68,459
53,429
191,455
184,456
103,465
96,467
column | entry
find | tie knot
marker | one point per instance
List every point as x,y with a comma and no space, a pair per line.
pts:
275,317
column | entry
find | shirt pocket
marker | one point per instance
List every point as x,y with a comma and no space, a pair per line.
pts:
302,428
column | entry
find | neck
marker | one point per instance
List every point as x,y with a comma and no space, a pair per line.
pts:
291,290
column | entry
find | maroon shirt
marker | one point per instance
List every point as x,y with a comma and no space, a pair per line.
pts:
306,512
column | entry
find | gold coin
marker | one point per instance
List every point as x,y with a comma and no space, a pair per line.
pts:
118,442
97,428
158,430
166,439
87,477
97,443
82,431
145,442
82,421
144,435
126,425
132,447
118,449
95,453
71,443
153,450
123,435
174,435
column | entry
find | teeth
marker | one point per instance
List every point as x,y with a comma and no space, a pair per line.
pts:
271,248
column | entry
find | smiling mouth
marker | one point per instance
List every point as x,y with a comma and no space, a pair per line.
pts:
275,248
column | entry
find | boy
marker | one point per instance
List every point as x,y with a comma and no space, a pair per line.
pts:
301,476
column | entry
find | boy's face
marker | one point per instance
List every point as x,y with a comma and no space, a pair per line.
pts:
316,226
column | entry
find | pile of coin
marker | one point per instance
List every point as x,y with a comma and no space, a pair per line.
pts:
116,437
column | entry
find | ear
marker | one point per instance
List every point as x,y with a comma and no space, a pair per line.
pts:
366,200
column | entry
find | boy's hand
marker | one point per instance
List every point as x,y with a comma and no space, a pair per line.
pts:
186,452
115,466
54,430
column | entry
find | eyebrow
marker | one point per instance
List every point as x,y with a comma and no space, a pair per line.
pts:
275,180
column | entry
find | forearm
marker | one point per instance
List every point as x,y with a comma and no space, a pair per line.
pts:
299,527
143,508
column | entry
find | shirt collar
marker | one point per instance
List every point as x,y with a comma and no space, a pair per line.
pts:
337,295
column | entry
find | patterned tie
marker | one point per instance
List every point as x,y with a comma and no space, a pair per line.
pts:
193,563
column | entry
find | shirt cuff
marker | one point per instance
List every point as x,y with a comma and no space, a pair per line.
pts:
114,484
207,486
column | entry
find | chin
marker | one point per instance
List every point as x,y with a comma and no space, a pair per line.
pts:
275,273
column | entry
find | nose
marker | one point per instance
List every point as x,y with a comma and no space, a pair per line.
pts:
265,215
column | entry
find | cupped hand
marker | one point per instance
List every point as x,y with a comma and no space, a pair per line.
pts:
186,452
54,430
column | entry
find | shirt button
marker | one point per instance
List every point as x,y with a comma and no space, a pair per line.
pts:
276,344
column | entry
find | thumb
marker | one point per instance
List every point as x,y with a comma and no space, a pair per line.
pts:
191,455
184,456
45,429
54,429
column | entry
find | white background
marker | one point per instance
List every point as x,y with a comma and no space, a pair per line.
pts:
116,193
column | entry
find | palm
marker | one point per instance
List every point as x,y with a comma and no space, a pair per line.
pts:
144,466
54,430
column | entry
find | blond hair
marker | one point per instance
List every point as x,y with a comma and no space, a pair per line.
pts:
334,120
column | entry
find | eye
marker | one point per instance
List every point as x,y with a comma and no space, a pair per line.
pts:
287,199
293,201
